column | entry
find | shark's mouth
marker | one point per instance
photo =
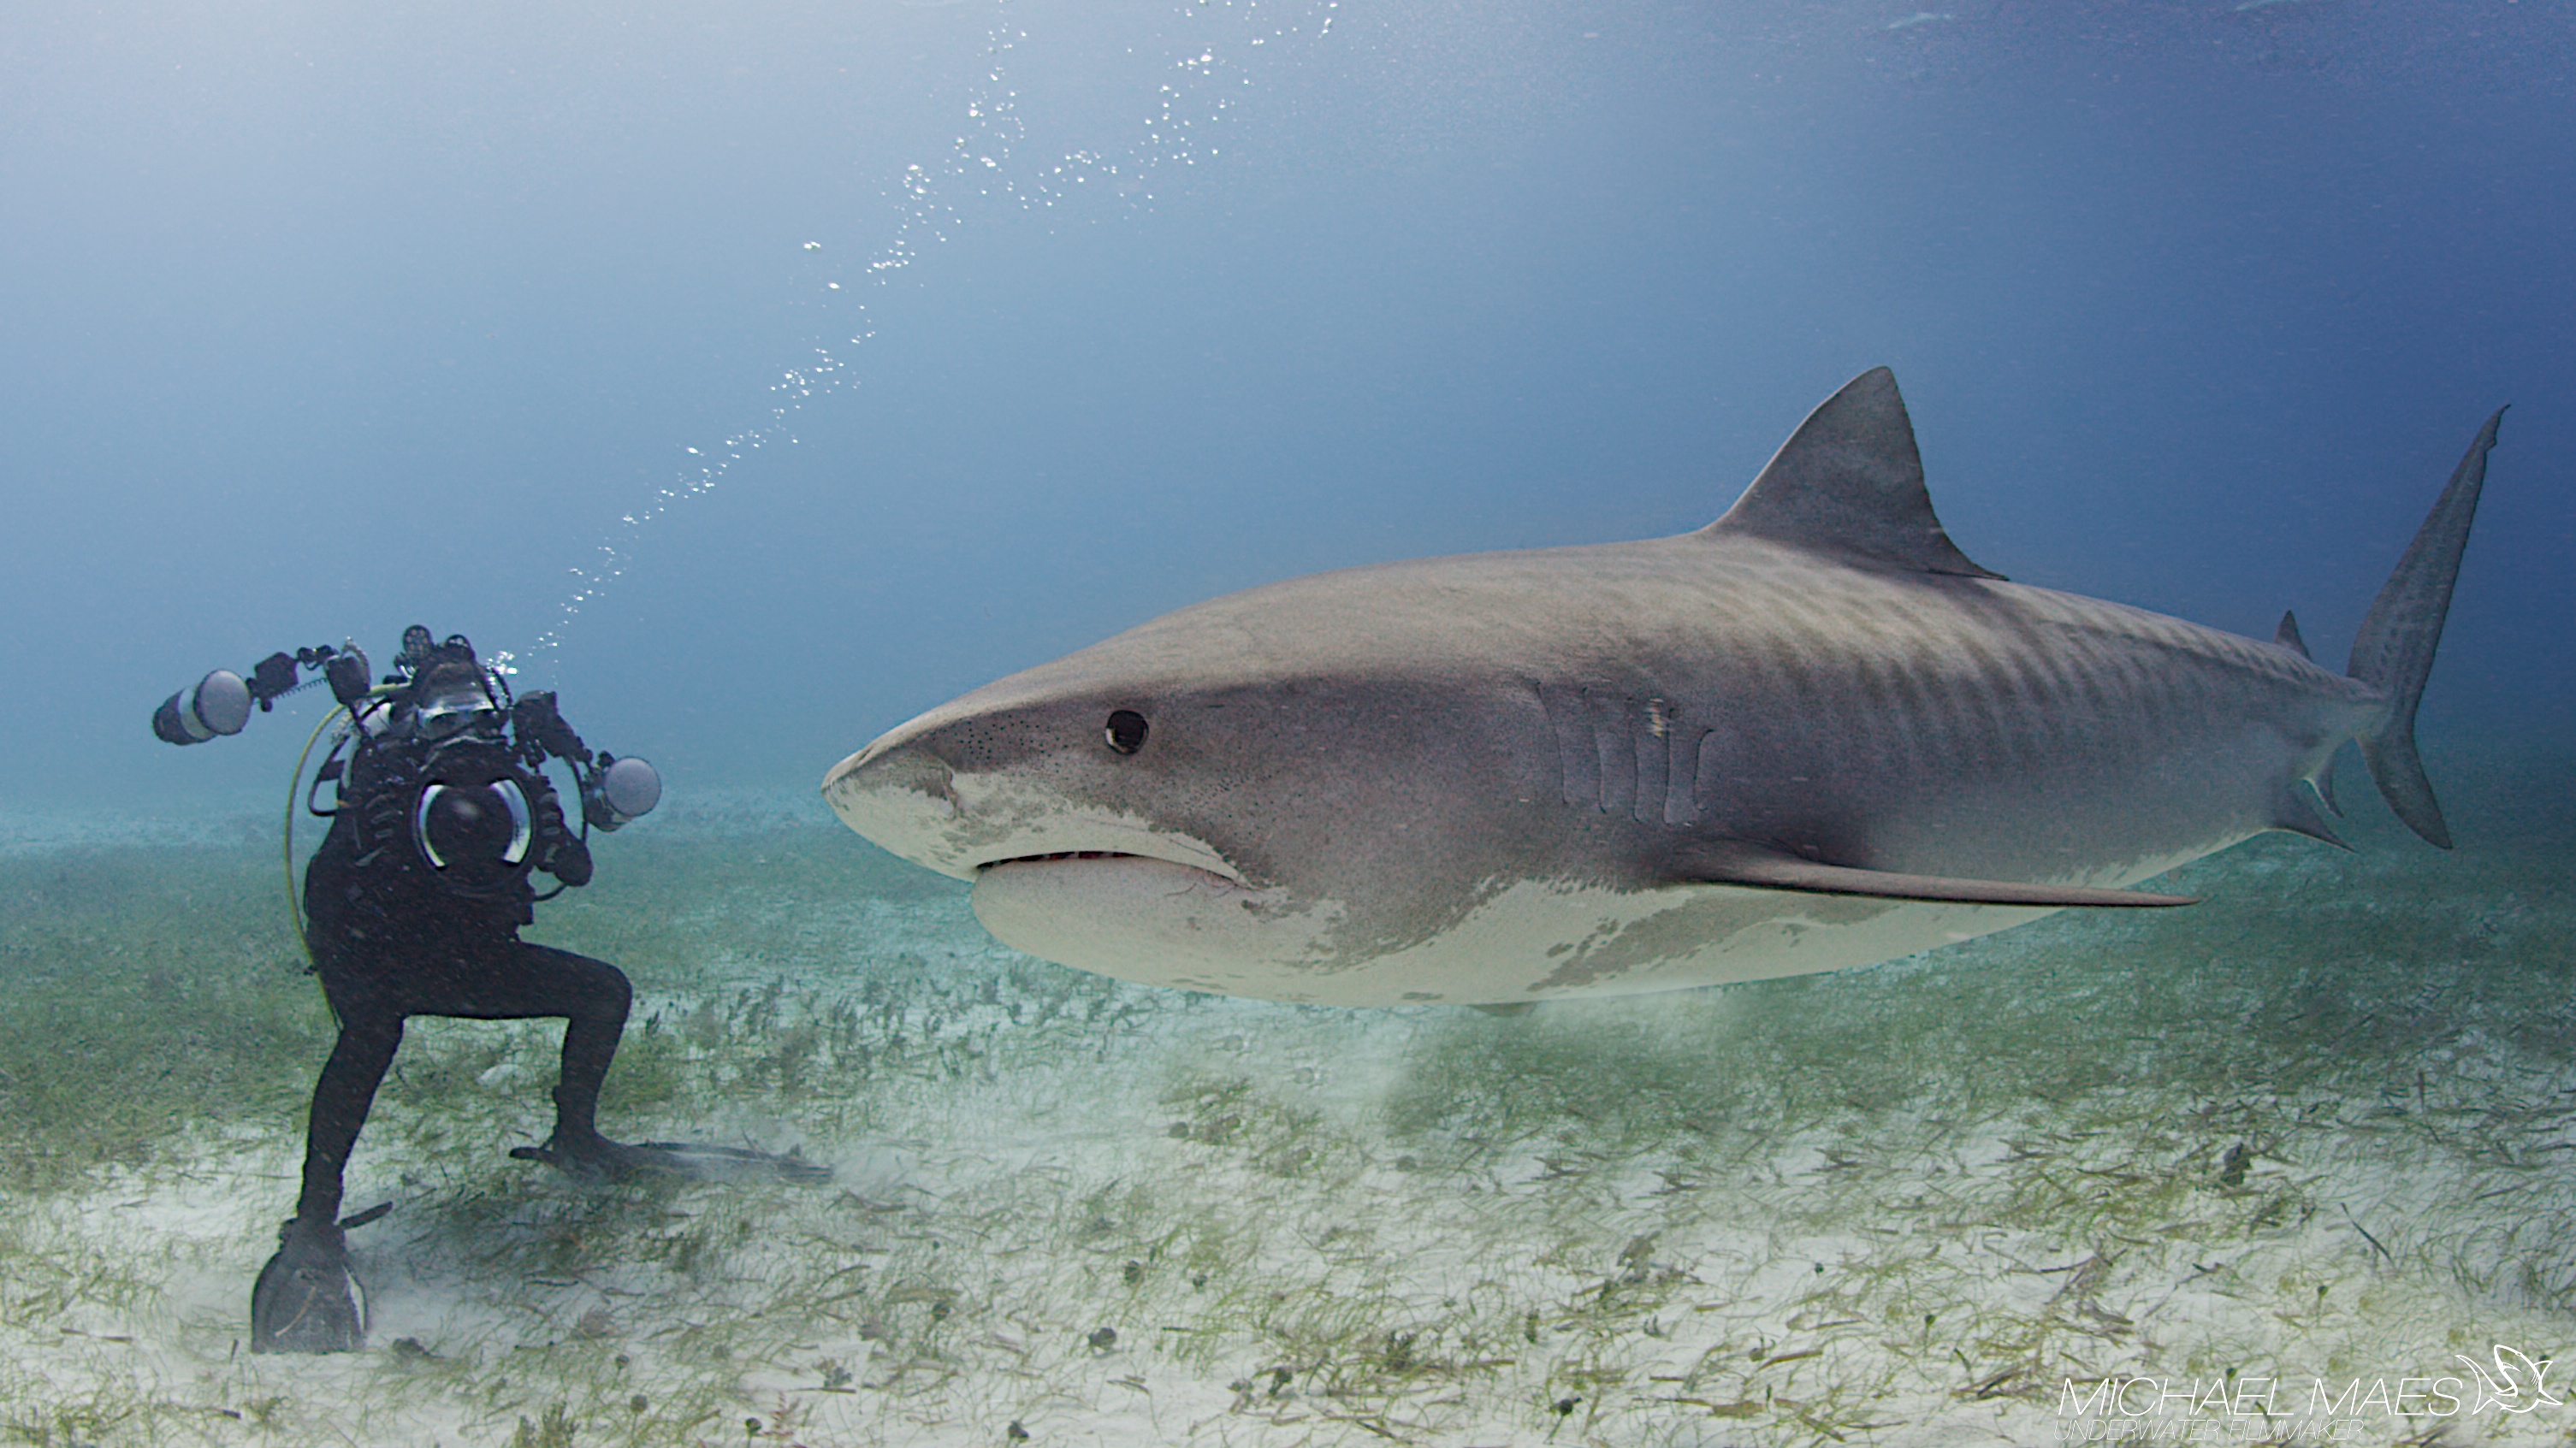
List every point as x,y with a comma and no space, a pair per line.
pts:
1221,876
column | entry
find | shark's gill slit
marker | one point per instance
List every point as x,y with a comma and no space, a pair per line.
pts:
1618,759
1654,736
1577,765
1681,774
1709,774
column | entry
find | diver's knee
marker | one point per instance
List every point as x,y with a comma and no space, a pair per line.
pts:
366,1044
613,995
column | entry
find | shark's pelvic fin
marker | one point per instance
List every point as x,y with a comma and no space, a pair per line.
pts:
1850,481
1760,866
2287,635
2325,786
2292,811
2394,650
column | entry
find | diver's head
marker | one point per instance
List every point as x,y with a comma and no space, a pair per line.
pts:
450,694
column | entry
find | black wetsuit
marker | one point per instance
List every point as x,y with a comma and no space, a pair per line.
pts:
392,938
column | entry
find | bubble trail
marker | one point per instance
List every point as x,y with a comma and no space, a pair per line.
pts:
1187,113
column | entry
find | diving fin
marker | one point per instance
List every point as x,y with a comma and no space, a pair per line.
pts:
738,1163
611,1161
1738,862
305,1301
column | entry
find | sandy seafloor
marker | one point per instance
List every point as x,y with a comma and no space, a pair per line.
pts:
2319,1130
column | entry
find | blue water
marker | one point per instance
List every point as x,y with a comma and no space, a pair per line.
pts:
759,375
321,323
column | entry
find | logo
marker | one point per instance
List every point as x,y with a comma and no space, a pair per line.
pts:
2506,1389
2248,1407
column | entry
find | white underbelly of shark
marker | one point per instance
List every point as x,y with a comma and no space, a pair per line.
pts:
1163,924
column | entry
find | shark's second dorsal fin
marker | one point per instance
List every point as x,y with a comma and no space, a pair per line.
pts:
2287,635
1850,481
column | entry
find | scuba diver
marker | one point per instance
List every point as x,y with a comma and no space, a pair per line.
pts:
413,906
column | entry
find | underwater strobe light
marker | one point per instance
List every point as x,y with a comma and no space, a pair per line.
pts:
219,704
620,791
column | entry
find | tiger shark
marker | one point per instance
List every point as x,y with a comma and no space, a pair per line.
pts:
1808,736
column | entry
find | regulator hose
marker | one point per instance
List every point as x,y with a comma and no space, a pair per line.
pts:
286,852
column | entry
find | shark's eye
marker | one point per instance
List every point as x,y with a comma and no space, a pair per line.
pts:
1126,731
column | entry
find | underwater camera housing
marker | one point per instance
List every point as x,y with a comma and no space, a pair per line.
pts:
471,818
480,815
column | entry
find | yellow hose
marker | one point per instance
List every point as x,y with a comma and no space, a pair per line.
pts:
294,900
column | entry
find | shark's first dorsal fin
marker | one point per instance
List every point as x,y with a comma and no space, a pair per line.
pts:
1849,480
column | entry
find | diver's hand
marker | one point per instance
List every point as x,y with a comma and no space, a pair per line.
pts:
534,717
566,857
570,863
302,1301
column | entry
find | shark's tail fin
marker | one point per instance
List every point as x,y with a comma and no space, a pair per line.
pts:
2394,650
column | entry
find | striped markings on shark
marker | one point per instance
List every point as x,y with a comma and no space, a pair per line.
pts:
1811,735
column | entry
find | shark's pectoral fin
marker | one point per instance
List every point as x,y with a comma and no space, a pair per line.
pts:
1762,867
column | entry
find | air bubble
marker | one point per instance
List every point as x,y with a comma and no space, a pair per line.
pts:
995,132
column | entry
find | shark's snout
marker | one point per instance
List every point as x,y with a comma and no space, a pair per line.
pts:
946,809
894,767
901,795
